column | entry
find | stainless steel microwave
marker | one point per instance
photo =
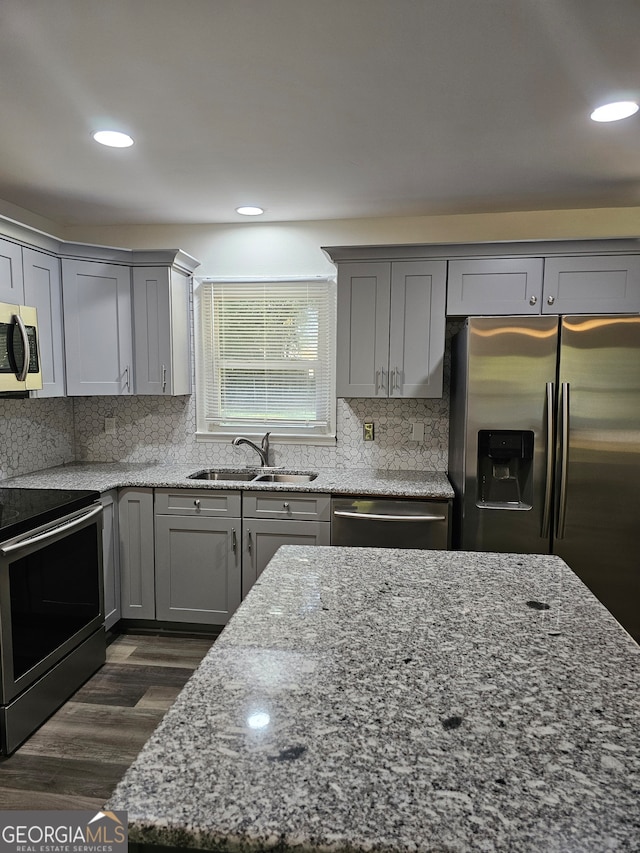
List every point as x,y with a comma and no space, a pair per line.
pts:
19,355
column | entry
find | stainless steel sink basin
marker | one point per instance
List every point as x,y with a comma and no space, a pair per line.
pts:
251,476
215,474
285,478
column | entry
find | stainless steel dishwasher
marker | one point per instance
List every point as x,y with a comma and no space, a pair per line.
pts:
390,523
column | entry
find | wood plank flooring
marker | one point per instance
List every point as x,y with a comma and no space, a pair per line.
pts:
75,760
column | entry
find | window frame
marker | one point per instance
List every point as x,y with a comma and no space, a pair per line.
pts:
207,431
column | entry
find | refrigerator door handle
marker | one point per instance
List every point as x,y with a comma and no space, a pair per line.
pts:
548,487
564,461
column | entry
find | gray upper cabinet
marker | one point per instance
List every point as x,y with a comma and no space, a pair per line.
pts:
494,286
161,331
11,282
604,284
97,327
585,284
390,333
43,290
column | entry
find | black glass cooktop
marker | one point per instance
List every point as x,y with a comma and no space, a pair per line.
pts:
23,509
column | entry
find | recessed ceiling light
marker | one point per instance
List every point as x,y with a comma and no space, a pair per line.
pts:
113,138
615,111
248,210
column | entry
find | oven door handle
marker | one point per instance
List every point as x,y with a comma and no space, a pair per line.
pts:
381,517
53,532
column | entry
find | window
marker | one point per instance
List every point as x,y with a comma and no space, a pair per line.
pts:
265,358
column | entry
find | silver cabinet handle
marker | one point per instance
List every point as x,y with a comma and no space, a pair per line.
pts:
372,516
164,377
196,504
384,385
564,462
25,343
377,381
234,540
126,378
550,300
549,442
392,380
249,543
533,300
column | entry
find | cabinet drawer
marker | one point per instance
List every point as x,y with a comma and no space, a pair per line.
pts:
201,502
301,506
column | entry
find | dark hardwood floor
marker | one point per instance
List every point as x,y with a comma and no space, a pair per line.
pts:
75,760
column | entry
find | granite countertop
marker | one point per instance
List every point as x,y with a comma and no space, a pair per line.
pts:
103,476
379,699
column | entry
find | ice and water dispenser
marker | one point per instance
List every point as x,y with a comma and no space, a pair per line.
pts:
505,459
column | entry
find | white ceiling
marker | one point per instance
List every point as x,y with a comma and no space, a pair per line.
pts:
315,109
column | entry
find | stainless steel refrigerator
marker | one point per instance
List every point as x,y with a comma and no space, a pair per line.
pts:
544,446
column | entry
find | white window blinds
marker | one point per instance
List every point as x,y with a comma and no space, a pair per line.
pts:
267,356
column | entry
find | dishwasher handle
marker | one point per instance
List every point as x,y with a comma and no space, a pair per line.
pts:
374,516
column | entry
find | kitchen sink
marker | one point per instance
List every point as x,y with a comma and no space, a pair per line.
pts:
222,474
215,474
285,478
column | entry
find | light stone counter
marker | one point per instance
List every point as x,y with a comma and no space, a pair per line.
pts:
104,476
389,700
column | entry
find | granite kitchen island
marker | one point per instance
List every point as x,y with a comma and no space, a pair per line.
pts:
378,699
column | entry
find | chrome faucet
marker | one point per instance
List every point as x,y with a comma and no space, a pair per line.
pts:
263,450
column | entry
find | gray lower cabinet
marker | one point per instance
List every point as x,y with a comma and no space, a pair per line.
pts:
110,558
272,519
261,540
198,560
43,290
137,561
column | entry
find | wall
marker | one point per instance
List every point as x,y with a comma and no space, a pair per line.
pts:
152,429
35,434
40,433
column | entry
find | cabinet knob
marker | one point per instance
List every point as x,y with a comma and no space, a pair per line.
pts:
196,504
550,300
533,300
286,504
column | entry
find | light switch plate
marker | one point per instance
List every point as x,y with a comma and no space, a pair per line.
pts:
368,431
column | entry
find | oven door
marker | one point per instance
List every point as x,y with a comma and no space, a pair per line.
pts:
51,596
19,355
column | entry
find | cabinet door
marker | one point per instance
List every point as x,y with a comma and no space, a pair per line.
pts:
261,540
417,328
494,286
197,569
606,284
11,281
43,290
362,345
161,331
110,558
97,328
137,581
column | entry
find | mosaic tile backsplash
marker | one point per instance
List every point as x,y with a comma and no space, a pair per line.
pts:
38,434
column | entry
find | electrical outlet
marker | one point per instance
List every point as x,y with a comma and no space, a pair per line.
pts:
110,426
417,431
367,431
